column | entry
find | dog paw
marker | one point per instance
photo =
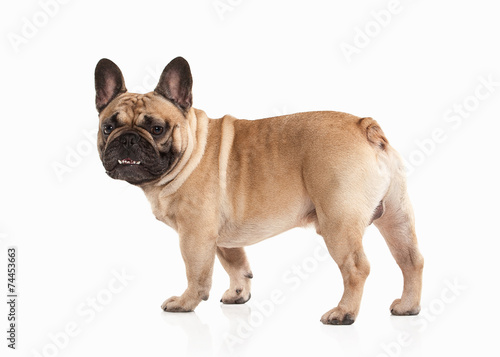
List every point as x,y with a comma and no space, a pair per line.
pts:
399,308
337,316
178,304
236,296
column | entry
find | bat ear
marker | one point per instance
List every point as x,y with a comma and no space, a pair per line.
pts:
109,83
176,83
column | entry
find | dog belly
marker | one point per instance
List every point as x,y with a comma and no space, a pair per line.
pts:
241,235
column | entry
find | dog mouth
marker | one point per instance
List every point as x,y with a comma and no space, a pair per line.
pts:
128,161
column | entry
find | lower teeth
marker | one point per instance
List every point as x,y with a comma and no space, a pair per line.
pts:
128,162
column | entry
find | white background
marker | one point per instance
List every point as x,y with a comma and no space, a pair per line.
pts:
74,226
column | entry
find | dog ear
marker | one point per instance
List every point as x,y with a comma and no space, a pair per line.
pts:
109,83
176,83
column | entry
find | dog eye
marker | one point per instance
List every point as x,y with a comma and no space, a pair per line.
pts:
156,130
107,129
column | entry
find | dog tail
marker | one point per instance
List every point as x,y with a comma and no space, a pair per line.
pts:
374,133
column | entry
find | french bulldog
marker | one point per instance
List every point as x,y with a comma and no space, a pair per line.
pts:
227,183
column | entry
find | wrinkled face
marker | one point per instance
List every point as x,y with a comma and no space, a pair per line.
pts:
141,137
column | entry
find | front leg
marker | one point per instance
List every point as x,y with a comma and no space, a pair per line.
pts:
234,261
198,253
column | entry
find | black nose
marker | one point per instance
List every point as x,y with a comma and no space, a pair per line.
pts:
129,139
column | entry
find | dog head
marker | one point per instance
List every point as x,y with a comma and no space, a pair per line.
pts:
142,137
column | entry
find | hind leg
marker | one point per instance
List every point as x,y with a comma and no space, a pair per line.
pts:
343,239
397,226
234,261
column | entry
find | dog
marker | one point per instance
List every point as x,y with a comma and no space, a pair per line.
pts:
227,183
